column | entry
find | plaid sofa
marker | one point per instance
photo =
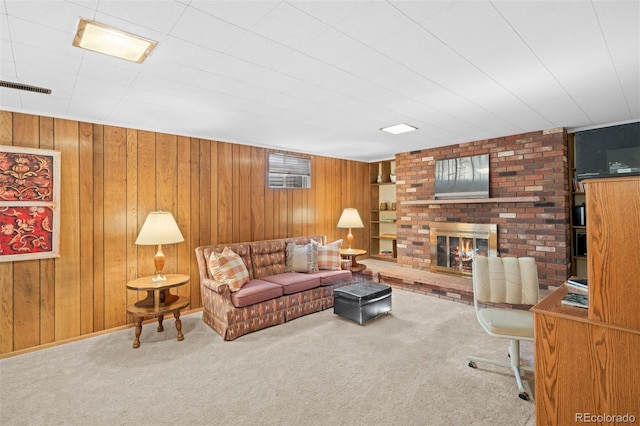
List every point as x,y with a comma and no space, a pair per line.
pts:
272,296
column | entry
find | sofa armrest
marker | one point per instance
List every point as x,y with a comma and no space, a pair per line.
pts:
217,286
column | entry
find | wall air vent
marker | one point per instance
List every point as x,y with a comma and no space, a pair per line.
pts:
288,171
26,87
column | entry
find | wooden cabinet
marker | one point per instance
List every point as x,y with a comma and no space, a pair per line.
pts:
383,211
586,360
613,266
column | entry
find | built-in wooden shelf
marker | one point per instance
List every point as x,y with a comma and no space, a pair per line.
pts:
474,201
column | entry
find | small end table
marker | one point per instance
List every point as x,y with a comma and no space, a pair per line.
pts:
351,254
158,303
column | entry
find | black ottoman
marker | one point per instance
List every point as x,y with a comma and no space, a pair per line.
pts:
362,302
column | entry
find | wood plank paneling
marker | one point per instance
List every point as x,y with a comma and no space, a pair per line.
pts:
115,216
47,266
67,271
112,177
26,284
258,184
183,214
224,204
98,228
132,213
6,268
86,230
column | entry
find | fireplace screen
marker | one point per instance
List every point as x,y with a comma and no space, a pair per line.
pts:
453,246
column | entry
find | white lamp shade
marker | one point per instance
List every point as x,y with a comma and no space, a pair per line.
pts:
159,228
350,219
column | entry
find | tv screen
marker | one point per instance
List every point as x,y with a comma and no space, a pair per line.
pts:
463,177
608,151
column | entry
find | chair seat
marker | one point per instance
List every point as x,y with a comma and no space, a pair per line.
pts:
507,322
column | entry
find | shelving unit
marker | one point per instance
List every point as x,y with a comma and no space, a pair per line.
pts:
383,220
578,230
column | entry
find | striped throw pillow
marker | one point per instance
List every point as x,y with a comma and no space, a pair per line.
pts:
228,267
329,256
301,258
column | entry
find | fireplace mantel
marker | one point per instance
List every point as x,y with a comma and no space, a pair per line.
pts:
474,201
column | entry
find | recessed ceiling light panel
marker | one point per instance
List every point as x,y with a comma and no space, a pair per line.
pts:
399,128
92,35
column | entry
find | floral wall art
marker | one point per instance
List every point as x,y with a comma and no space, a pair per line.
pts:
29,203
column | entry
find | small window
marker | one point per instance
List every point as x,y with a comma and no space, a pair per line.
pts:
288,171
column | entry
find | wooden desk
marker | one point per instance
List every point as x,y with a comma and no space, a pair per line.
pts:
583,367
158,303
351,254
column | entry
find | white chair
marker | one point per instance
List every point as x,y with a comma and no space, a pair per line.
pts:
509,280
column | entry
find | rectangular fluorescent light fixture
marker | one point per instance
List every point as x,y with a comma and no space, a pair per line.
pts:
98,37
399,128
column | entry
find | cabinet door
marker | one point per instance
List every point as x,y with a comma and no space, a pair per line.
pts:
613,238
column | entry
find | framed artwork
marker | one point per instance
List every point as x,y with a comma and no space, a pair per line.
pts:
29,203
463,177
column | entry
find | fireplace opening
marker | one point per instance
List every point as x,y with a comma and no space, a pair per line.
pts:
454,245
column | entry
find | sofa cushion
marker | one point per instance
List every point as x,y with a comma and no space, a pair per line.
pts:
302,258
228,267
294,282
330,277
329,256
255,291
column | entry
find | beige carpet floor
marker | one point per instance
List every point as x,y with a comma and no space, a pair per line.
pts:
405,368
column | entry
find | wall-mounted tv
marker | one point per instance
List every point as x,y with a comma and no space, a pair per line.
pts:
462,177
608,151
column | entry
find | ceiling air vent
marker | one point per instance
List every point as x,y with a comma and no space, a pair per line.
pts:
288,171
26,87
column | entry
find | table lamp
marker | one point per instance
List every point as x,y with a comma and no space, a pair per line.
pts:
159,228
350,219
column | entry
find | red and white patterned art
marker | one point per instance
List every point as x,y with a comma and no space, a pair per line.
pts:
29,210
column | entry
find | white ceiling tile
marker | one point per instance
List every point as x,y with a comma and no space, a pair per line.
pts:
44,58
244,14
332,47
205,30
172,49
58,15
159,16
377,21
289,26
99,106
258,50
338,12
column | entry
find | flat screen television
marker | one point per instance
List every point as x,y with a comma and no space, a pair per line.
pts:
608,151
462,177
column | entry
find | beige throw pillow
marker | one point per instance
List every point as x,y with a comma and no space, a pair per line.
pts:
302,258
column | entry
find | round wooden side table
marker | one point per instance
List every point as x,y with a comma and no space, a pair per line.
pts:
351,254
158,303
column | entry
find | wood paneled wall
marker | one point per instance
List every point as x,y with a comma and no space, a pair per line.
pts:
111,178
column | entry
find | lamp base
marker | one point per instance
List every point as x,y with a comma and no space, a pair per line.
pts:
349,240
158,278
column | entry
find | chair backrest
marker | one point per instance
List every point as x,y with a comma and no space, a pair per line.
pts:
511,280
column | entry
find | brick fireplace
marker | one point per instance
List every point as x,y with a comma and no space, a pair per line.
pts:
528,201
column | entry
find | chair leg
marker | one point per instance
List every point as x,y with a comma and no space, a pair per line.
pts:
514,363
514,354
